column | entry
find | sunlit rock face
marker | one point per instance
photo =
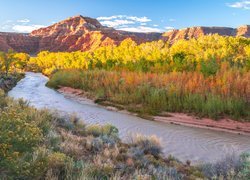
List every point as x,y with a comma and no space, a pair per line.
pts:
84,33
195,32
243,31
80,33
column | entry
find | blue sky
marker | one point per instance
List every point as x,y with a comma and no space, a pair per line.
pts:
131,15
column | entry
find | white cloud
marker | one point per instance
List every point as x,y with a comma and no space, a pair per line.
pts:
240,4
128,23
19,26
116,23
133,18
118,20
139,19
155,25
26,28
103,18
141,29
23,20
169,27
5,27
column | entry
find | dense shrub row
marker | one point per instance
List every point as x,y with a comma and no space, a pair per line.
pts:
224,94
205,55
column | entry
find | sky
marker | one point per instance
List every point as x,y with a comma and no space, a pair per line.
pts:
128,15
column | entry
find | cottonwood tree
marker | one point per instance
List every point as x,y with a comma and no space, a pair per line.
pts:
6,60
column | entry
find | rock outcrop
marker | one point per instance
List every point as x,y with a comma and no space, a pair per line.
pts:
243,31
195,32
19,42
84,33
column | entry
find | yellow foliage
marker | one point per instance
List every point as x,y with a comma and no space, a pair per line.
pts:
157,56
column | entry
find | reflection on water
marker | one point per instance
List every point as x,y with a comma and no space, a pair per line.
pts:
198,145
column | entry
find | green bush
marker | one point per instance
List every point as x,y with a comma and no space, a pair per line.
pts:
98,130
210,67
148,144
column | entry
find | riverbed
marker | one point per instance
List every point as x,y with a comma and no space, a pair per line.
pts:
185,143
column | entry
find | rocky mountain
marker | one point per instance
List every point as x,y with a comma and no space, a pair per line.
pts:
195,32
84,33
19,42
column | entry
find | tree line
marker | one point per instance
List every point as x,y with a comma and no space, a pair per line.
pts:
206,54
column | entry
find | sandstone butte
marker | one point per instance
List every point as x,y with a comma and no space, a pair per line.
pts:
85,33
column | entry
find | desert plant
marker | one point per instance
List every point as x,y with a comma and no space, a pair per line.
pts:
231,167
149,144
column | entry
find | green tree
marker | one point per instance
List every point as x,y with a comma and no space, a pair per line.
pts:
209,68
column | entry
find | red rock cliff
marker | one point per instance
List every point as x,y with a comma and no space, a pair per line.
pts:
84,33
19,42
195,32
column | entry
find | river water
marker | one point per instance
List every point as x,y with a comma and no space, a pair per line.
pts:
185,143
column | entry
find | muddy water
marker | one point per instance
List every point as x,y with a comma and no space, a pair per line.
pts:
197,145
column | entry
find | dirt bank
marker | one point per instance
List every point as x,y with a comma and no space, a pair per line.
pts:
227,125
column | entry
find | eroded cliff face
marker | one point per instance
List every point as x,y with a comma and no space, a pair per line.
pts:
84,33
244,31
195,32
19,42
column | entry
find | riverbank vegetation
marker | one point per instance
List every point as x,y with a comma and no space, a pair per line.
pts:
150,93
208,76
206,54
9,81
12,62
36,144
12,66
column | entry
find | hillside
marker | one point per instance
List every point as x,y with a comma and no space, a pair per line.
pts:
84,33
195,32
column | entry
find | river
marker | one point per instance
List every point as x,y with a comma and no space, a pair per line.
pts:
185,143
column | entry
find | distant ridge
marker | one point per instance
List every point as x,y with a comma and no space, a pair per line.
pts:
195,32
85,33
